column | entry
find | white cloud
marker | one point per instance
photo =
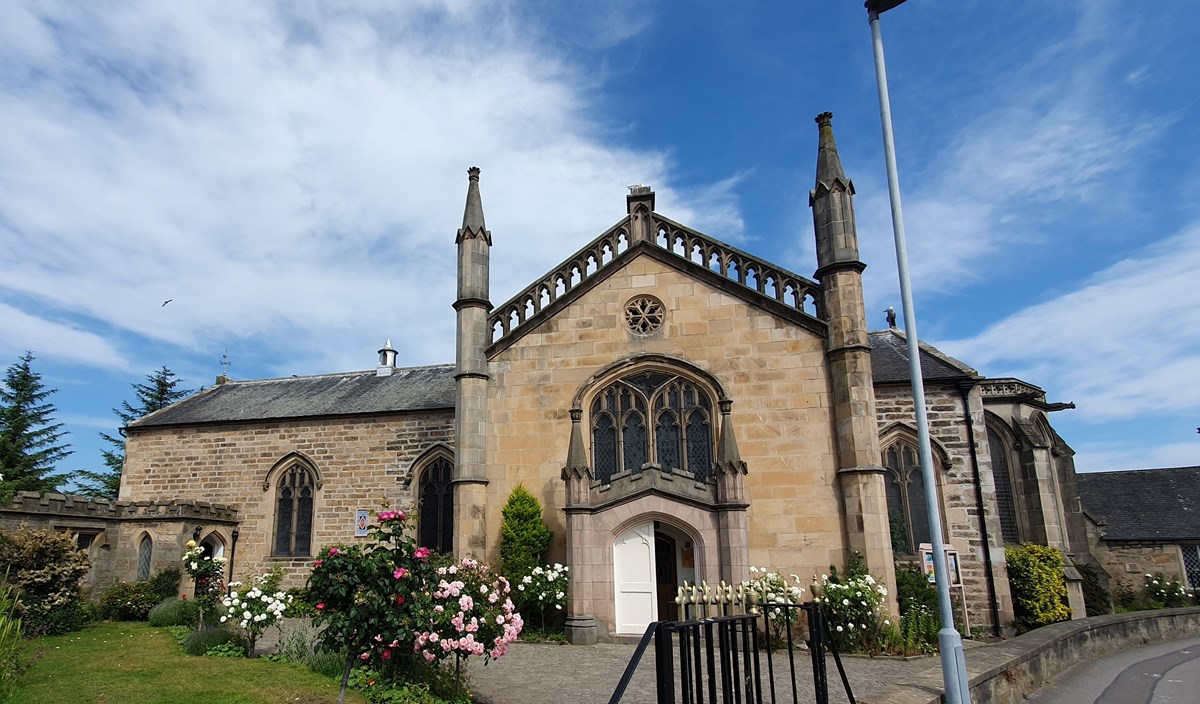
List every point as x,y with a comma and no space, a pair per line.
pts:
1022,150
1104,457
293,177
1125,343
57,340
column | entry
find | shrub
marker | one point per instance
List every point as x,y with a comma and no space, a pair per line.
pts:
44,567
127,601
524,538
919,628
11,664
203,640
542,593
1039,587
254,607
1096,598
175,611
165,584
913,591
299,605
1165,592
383,600
853,609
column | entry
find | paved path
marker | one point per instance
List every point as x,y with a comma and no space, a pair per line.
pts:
548,673
1159,673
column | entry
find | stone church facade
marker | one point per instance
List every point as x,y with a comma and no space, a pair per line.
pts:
683,409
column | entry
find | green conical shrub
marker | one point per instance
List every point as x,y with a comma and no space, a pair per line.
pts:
524,538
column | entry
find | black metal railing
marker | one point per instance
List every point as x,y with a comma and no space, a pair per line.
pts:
721,659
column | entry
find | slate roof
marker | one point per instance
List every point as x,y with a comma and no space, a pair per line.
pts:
350,393
889,360
432,387
1144,504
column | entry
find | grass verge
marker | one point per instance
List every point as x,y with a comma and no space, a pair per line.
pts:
133,663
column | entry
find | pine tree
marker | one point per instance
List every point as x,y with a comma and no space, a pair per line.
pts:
160,390
29,438
524,538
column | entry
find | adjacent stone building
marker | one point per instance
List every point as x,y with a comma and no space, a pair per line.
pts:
1143,522
682,408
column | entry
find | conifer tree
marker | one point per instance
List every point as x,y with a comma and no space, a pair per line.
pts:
160,390
524,538
30,440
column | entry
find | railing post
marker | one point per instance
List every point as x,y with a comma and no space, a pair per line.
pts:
664,665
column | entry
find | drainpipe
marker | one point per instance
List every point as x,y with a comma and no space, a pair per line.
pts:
964,388
232,554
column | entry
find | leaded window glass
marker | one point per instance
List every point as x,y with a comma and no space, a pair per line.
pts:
677,435
294,512
1191,564
437,506
1002,475
604,447
907,508
145,552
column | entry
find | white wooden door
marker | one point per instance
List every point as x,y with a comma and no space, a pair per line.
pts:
633,579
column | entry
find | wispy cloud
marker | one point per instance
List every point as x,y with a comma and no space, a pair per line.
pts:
292,177
1025,148
1125,343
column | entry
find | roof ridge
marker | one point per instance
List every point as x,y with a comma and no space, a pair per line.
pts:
357,372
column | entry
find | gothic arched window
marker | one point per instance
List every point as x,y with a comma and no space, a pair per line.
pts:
652,417
1006,505
436,512
908,510
294,512
145,552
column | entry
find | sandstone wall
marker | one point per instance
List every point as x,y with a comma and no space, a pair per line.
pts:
362,462
772,369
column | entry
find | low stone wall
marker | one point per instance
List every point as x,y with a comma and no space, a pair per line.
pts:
1003,673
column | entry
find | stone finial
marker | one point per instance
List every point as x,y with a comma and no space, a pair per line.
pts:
824,119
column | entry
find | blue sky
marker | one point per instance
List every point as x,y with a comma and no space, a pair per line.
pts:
291,175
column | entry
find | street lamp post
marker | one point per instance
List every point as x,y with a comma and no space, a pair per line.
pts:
954,666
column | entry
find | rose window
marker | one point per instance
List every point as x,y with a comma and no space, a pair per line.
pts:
644,314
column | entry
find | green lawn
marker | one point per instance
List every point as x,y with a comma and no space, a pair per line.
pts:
132,663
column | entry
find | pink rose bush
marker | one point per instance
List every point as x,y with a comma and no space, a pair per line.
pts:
472,614
389,603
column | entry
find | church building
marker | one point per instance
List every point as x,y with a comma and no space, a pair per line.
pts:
683,410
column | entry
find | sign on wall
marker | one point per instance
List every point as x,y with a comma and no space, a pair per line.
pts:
952,567
362,519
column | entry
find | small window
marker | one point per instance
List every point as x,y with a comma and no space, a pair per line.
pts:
294,512
436,511
145,550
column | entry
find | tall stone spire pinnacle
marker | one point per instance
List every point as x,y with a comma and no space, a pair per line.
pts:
473,226
829,164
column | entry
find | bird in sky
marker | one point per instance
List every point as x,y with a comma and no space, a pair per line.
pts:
164,305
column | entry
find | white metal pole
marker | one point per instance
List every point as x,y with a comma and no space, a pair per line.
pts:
954,666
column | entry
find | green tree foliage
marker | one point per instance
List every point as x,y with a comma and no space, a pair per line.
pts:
524,538
1039,586
160,390
45,567
29,438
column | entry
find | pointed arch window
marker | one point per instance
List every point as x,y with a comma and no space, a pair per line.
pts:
436,505
652,418
145,553
294,496
908,510
1006,505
